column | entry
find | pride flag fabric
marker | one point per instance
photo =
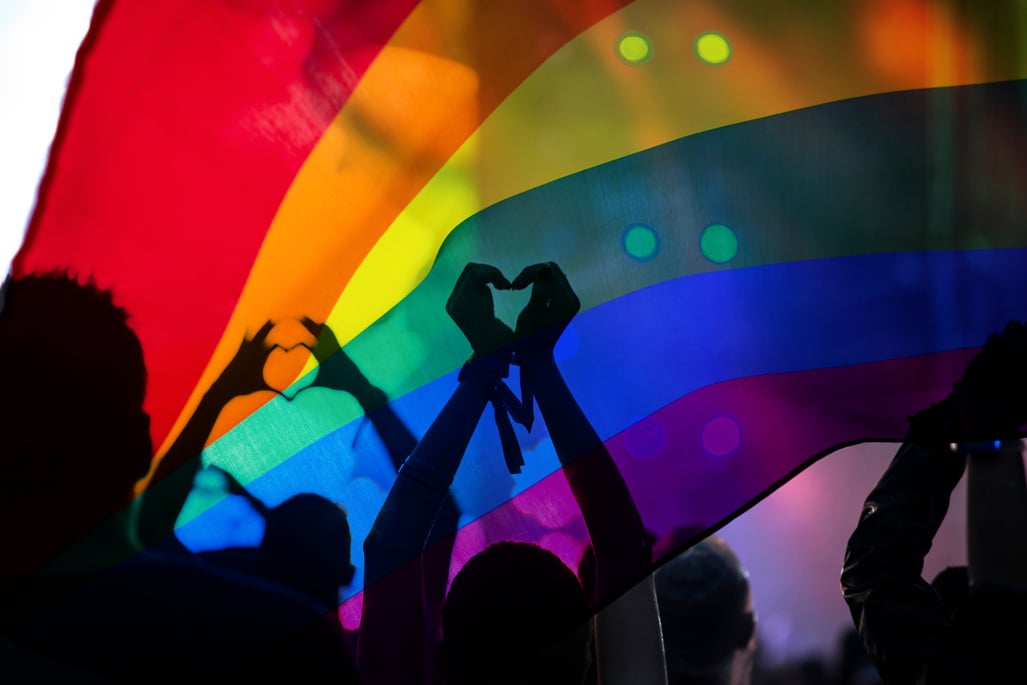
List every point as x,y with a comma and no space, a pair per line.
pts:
789,226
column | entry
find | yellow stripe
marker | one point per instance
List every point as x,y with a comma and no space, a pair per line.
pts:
586,106
400,124
380,159
419,100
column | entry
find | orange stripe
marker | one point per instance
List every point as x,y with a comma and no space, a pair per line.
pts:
428,90
587,106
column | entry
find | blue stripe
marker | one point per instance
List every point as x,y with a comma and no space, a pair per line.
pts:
629,357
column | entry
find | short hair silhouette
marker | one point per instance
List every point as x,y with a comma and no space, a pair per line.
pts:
515,612
703,597
77,442
306,546
76,436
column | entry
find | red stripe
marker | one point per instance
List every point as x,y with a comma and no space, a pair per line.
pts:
184,125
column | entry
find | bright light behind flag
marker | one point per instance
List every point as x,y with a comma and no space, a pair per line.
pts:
38,42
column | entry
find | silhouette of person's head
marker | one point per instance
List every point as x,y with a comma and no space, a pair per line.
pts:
76,442
707,616
76,437
306,546
515,613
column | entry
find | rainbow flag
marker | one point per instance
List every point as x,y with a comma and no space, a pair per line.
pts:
789,225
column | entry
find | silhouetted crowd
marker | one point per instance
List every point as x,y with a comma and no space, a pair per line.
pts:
97,587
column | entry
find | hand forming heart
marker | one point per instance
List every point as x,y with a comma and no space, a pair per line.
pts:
550,308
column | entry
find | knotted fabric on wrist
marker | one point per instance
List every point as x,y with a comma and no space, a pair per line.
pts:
488,373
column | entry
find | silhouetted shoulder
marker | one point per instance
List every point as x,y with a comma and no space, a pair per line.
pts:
241,560
161,616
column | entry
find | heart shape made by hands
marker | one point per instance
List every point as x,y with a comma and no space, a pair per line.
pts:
509,304
283,368
289,347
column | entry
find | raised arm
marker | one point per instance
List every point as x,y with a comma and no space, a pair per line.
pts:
337,371
993,407
392,622
618,537
907,630
900,618
629,645
159,507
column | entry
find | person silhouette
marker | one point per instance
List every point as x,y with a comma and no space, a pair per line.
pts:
77,589
307,539
706,612
305,546
514,611
958,630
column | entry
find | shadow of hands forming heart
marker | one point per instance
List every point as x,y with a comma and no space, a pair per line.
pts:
283,367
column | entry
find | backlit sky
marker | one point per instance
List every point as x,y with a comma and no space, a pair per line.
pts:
38,40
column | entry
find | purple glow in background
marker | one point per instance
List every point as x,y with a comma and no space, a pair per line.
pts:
793,541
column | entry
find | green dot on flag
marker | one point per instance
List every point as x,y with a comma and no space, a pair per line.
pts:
718,243
641,242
